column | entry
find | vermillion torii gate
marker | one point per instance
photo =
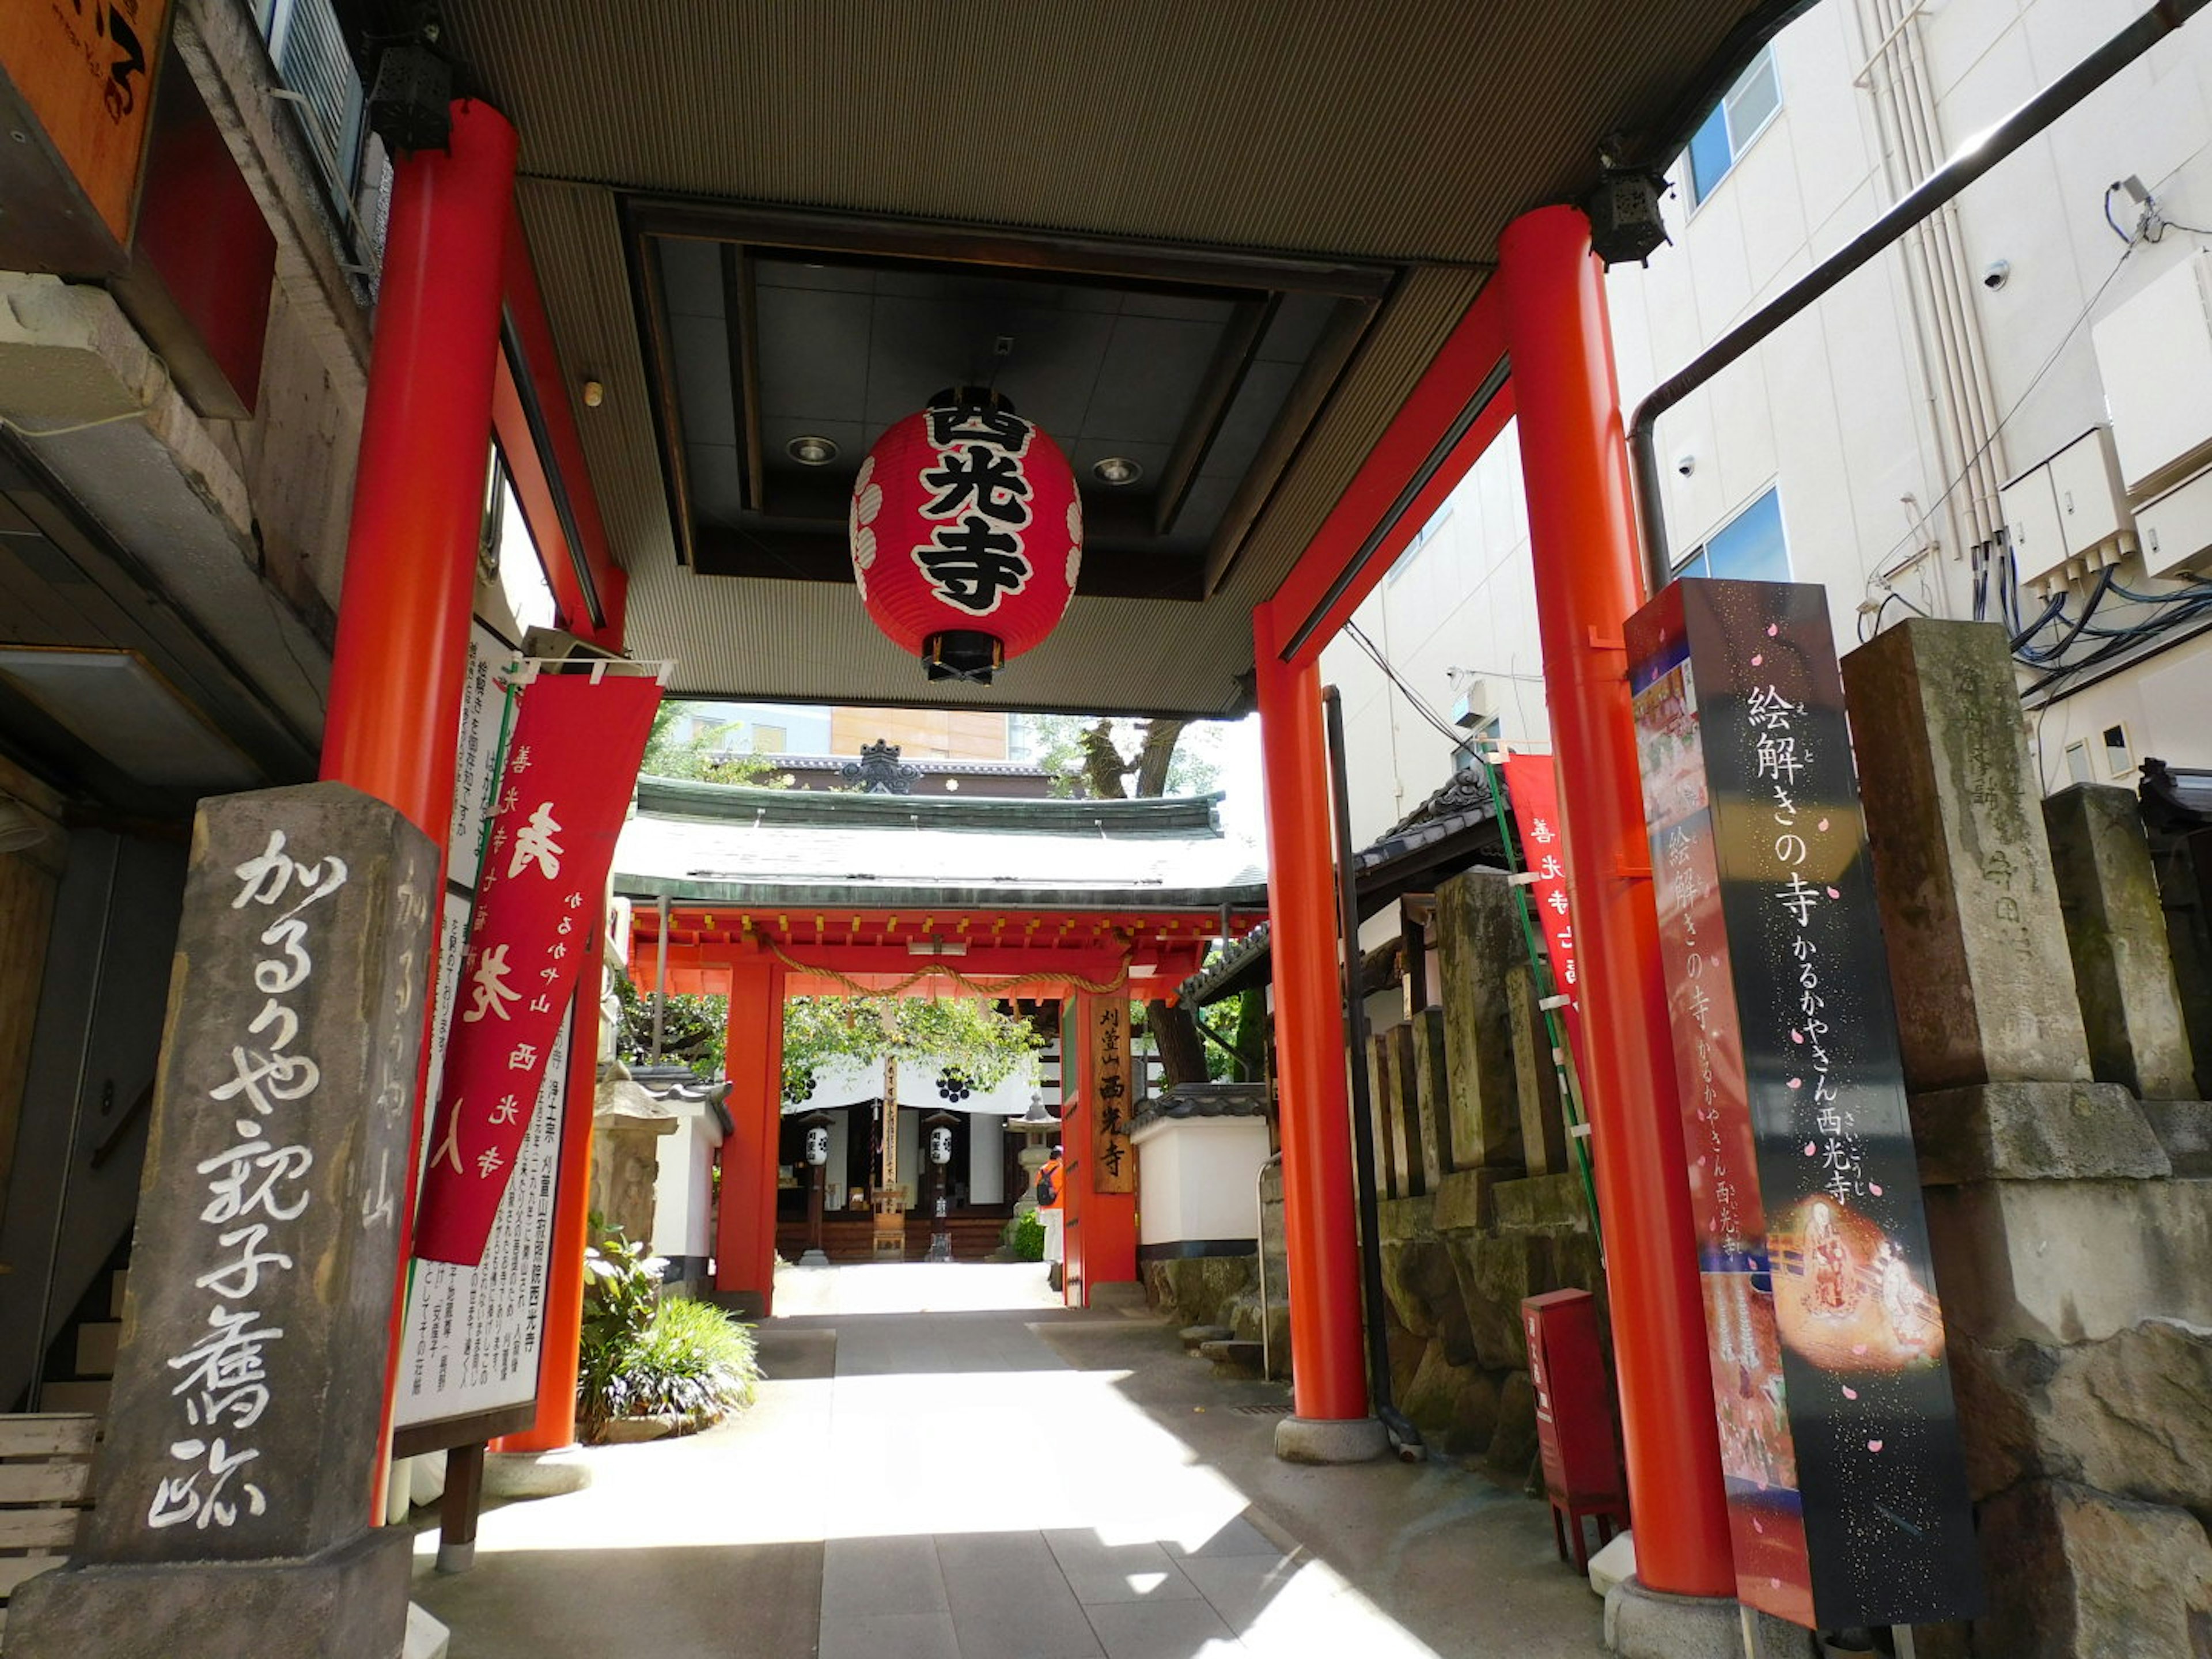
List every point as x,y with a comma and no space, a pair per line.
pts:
1523,337
758,959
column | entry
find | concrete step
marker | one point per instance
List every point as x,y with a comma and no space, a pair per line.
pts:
95,1347
1195,1336
90,1397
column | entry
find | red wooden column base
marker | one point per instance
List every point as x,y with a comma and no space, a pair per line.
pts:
1574,465
745,1227
1327,1352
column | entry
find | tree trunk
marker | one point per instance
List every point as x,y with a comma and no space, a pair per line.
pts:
1182,1051
1102,765
1153,760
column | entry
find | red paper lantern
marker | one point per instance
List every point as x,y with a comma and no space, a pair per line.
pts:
967,533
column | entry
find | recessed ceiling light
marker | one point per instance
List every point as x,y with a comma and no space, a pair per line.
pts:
1117,470
813,450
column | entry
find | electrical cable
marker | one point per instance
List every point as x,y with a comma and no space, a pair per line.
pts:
1456,737
2115,224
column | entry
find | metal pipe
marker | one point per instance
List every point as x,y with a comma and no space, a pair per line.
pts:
1976,157
1402,1432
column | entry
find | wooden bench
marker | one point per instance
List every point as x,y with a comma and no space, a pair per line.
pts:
45,1479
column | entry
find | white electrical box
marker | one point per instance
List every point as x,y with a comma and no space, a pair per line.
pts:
2069,517
2155,354
2176,528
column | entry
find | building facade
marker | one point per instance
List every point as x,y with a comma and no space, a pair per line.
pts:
1997,418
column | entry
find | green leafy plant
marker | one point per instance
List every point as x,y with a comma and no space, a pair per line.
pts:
642,1357
698,756
1025,1237
974,1037
693,1030
694,1361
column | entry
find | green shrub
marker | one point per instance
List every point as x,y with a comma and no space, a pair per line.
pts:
695,1361
642,1357
1025,1237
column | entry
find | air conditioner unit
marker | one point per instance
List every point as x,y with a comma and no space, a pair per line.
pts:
2068,517
1471,707
2154,355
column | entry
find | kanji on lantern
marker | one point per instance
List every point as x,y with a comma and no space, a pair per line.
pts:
967,534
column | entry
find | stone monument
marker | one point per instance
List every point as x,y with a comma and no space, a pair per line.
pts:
234,1486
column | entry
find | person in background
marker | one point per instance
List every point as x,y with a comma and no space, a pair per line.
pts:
1051,1190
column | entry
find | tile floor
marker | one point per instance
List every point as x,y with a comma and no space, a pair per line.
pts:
997,1478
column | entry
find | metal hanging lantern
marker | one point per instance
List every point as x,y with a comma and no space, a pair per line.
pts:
967,534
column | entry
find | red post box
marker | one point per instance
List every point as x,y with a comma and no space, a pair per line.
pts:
1575,1423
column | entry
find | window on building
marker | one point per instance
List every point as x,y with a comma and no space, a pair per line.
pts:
2119,754
1422,538
1737,120
1749,547
1484,736
319,81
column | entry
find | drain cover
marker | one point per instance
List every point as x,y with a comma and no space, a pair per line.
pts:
1262,1411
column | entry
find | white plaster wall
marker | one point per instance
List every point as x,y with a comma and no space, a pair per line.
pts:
1195,1178
987,1159
682,1189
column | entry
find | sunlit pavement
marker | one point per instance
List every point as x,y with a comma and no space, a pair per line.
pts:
996,1479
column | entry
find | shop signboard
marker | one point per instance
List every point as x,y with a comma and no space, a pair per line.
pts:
80,77
1846,1488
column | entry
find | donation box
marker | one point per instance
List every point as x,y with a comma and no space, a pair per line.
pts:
1581,1447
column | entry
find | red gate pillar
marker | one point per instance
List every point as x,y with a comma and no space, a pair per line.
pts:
744,1225
1108,1220
1581,525
395,709
394,719
1327,1353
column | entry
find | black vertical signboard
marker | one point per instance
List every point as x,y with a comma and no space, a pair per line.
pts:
1846,1490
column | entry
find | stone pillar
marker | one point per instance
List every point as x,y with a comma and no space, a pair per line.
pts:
233,1485
1390,1130
2072,1266
1978,951
2115,929
1479,929
1428,1113
1543,1124
627,1125
1418,1154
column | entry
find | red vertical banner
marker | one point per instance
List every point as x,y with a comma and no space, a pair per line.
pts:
570,768
1532,786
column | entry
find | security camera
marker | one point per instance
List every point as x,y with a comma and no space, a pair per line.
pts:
1995,276
1686,465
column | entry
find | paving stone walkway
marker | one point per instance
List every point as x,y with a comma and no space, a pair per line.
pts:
946,1465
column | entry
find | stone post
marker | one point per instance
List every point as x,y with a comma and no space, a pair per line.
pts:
1962,865
1543,1124
2072,1266
1428,1113
233,1484
1389,1132
1417,1153
2116,928
1479,929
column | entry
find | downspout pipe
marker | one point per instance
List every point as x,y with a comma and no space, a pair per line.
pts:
1405,1439
1976,157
